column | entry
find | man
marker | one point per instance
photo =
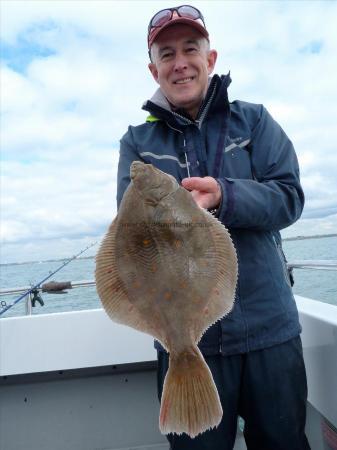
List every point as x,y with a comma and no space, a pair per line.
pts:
237,161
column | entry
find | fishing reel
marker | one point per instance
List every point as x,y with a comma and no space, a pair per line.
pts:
36,297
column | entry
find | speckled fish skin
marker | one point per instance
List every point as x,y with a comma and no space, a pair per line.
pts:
169,268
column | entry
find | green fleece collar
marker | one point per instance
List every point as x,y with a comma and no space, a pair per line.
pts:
152,118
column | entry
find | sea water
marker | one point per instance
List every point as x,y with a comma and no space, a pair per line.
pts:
320,285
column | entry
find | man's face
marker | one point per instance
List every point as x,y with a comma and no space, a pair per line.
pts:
181,66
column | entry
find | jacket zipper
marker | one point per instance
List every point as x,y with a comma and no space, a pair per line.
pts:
184,144
205,109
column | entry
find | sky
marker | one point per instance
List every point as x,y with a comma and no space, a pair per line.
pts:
74,76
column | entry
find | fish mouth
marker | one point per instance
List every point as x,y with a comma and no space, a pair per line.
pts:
136,168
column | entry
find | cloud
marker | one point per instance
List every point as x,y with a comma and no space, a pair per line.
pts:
311,227
55,200
74,76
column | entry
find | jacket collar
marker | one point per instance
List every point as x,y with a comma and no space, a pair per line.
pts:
160,100
160,107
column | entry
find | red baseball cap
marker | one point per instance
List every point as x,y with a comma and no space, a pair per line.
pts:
186,14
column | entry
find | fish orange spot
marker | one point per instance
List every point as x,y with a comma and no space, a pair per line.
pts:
136,284
154,268
177,243
168,295
183,285
146,242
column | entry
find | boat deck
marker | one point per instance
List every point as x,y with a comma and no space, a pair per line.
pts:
78,381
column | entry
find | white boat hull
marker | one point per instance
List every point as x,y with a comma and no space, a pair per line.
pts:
78,381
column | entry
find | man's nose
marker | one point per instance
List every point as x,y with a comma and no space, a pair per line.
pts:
180,62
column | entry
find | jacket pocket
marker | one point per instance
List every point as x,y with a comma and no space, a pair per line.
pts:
237,163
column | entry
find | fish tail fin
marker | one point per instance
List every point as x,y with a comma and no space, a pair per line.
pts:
190,401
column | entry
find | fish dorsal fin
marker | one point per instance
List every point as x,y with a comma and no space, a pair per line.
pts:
111,290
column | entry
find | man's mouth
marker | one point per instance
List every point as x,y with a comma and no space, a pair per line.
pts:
184,80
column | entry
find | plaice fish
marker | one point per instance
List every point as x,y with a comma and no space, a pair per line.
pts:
168,268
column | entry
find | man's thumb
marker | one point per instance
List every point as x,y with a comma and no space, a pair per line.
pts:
193,183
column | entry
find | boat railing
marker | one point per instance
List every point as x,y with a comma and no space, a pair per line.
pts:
318,264
296,264
30,295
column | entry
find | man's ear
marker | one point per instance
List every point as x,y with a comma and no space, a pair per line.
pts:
154,71
211,60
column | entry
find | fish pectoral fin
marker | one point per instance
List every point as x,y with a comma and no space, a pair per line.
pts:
190,402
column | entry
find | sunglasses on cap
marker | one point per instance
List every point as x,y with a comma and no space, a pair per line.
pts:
165,15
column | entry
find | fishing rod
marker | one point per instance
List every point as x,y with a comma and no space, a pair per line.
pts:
37,286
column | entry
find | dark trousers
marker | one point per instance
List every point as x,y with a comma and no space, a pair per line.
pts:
267,388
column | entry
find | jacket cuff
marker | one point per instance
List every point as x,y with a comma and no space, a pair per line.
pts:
226,206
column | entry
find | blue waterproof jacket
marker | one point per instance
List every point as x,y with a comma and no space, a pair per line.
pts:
255,164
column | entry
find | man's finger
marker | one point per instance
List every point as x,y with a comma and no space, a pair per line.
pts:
198,184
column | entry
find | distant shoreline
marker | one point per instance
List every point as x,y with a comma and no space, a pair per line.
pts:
317,236
295,238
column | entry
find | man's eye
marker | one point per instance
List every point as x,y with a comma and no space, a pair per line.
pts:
191,49
166,55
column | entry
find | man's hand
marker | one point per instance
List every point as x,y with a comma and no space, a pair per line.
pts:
205,191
